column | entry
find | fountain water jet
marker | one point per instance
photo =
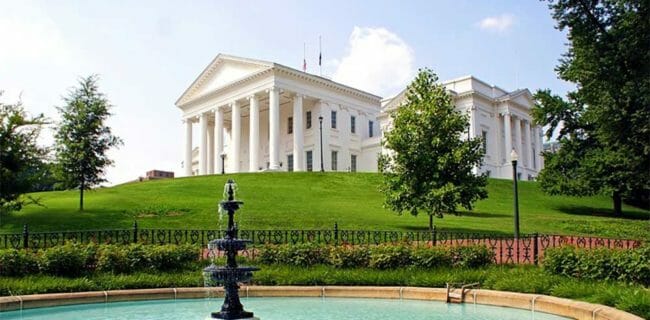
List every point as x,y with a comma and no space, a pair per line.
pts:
230,274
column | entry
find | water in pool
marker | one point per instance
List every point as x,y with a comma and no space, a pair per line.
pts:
281,309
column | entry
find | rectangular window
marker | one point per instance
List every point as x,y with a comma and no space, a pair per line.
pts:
353,124
333,119
310,161
290,125
371,133
534,160
484,135
308,119
290,162
353,163
335,160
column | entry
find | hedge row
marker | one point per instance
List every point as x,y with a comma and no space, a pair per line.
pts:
376,257
74,259
601,264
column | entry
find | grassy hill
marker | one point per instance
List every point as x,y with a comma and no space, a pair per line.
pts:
316,200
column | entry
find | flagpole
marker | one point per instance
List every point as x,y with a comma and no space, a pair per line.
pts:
320,57
304,57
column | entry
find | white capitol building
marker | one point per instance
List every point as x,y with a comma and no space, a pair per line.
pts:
256,116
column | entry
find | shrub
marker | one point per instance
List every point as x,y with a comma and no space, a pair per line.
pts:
68,260
601,264
349,256
171,257
472,256
304,254
112,258
390,257
433,257
15,262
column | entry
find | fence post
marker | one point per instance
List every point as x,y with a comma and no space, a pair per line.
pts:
336,233
135,231
25,236
535,248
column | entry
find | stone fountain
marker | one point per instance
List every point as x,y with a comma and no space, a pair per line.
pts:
229,275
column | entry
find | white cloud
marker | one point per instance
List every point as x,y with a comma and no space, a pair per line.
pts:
377,61
499,23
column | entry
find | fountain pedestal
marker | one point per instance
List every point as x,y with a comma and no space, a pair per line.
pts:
230,274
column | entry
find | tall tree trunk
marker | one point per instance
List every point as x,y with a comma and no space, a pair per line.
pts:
618,211
430,223
81,196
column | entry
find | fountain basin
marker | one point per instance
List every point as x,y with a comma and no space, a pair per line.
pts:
528,302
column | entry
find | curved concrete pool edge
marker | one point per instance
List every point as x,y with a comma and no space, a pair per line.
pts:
535,302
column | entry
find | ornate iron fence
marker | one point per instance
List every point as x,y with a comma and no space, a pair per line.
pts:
528,249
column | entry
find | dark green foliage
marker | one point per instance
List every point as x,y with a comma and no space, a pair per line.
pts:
390,257
429,168
113,258
376,257
349,256
170,257
600,264
82,139
434,257
22,161
17,263
472,256
304,254
69,260
605,122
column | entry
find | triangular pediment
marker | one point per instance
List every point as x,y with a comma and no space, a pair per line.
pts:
524,98
222,71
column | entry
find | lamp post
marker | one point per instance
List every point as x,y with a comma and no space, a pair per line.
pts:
514,157
320,121
223,163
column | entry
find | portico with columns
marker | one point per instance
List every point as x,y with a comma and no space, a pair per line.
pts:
253,115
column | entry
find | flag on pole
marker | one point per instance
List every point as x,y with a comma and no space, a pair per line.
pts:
304,59
320,56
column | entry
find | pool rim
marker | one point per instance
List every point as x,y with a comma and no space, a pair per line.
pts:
534,302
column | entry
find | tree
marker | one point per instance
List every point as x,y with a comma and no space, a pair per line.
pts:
429,163
605,122
82,139
21,159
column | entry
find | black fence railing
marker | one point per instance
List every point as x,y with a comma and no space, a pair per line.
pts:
528,249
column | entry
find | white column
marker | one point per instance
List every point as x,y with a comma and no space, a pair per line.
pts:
517,129
218,137
188,147
540,148
472,122
507,136
274,128
235,138
298,134
203,149
528,147
211,149
254,136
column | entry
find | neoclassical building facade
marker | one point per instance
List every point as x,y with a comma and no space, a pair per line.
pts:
500,117
255,115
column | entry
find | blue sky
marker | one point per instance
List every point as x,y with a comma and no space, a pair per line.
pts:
148,52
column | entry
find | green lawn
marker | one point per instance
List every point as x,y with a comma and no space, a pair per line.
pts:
316,200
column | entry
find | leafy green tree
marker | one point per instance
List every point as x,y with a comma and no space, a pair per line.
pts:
605,122
21,159
83,139
429,163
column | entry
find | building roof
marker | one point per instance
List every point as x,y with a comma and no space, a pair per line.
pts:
262,67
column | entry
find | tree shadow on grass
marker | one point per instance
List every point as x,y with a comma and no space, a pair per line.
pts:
602,212
458,230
